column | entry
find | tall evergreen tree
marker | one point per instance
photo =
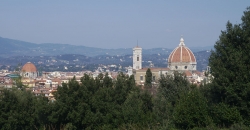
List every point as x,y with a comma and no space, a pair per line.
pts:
148,78
171,87
191,110
230,67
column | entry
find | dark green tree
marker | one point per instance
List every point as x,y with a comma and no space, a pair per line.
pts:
123,86
107,81
224,116
230,67
148,78
18,110
171,87
191,110
137,109
94,103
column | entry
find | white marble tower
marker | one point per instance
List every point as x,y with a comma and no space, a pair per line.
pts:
137,58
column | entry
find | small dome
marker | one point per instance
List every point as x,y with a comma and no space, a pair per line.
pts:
181,54
29,67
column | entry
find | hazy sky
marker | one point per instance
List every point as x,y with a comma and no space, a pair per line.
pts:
119,23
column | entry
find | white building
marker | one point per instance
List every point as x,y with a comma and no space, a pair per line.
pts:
137,58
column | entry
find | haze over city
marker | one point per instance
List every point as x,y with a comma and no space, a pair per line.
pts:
125,65
119,24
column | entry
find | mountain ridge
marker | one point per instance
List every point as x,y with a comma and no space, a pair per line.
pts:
12,47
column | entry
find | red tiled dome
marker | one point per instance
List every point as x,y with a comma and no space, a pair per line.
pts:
181,54
29,67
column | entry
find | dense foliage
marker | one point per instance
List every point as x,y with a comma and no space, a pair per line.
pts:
105,103
100,103
230,67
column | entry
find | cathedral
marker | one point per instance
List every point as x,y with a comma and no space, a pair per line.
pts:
181,59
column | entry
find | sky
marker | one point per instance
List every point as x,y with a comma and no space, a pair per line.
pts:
119,23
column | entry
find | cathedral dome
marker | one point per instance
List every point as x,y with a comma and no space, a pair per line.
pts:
182,58
181,54
29,67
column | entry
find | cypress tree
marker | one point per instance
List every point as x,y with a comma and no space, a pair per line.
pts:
148,78
191,110
171,87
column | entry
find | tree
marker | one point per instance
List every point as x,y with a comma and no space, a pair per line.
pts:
107,81
18,110
148,78
95,103
230,65
224,115
137,108
171,87
191,110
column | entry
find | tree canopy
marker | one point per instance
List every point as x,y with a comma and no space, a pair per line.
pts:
230,65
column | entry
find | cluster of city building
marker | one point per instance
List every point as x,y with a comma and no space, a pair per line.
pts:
181,59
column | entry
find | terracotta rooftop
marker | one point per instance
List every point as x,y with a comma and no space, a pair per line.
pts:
188,73
181,54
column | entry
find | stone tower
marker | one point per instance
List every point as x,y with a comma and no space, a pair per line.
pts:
137,58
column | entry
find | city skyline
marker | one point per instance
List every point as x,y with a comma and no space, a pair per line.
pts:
119,24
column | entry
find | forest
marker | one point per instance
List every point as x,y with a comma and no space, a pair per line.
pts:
103,103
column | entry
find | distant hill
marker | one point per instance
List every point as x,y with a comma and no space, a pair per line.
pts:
15,51
10,47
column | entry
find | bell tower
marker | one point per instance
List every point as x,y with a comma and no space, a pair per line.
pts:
137,58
